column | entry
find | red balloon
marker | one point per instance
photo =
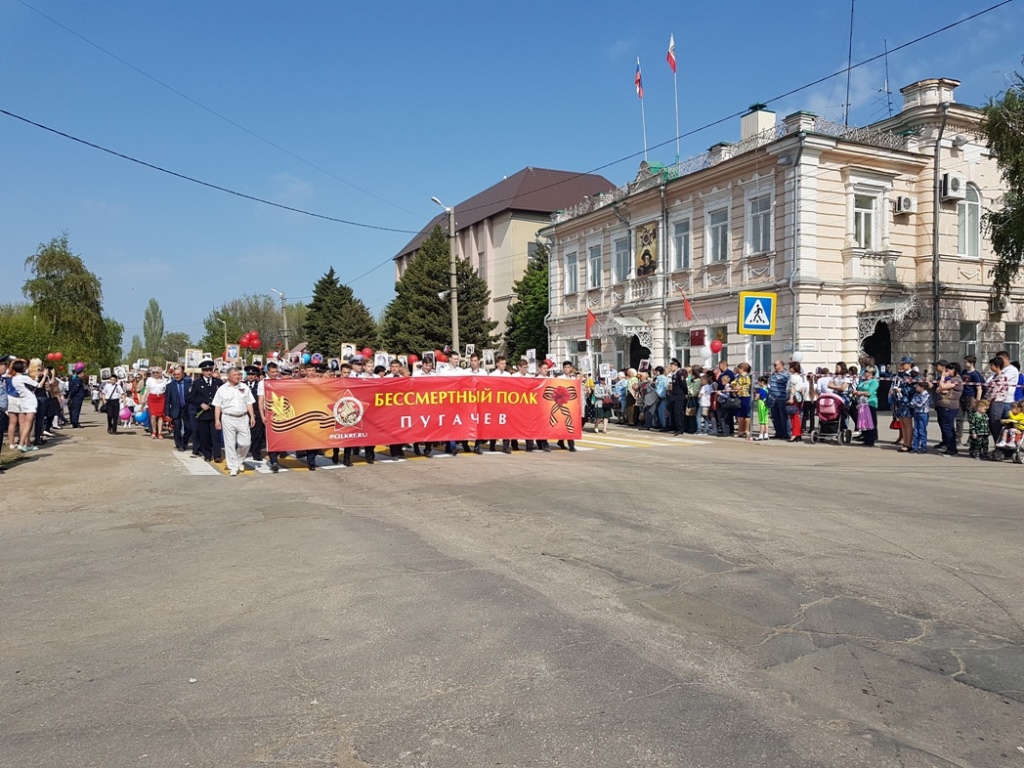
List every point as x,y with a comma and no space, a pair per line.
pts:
254,334
440,356
58,356
367,352
60,367
255,343
49,356
244,342
716,346
413,359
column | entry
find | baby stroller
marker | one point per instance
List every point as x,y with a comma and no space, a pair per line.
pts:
1013,448
832,411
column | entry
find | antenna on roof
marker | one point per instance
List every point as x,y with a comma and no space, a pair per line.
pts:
885,89
849,69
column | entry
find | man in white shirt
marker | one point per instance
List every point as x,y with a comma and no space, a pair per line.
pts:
233,416
426,369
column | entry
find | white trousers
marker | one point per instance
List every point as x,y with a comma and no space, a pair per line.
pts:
236,439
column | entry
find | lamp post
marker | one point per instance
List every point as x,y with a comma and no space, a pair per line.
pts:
225,324
284,318
453,291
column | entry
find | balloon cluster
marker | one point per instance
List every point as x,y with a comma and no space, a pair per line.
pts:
251,340
54,356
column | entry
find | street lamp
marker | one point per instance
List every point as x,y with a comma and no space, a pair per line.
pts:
453,291
284,318
225,324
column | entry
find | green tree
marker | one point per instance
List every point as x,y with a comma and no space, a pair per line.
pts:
336,316
1003,126
173,346
258,313
296,315
66,298
418,319
525,327
153,329
110,351
21,333
137,350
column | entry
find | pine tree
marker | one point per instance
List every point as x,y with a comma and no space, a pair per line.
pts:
525,327
418,319
335,316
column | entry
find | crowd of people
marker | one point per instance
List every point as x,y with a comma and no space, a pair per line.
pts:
212,420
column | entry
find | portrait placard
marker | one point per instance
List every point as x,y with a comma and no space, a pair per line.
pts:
488,359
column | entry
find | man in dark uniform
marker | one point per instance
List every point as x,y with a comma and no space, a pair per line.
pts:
201,401
258,433
77,391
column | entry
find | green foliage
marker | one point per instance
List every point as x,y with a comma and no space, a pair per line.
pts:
137,351
417,319
1003,126
525,327
336,316
21,333
172,347
153,329
110,349
258,313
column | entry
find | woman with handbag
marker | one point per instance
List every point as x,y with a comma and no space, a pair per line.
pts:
796,393
602,400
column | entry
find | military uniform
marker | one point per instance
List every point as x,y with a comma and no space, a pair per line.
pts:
258,434
203,390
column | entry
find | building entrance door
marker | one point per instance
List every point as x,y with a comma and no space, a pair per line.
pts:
637,352
879,344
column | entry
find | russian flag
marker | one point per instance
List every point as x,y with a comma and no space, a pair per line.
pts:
671,57
638,80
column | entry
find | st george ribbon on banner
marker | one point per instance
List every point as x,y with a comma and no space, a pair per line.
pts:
304,414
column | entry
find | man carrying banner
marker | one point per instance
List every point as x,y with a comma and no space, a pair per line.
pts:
501,369
426,369
272,374
567,373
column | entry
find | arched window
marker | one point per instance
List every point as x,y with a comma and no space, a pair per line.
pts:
968,215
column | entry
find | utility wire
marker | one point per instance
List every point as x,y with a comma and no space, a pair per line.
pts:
215,113
200,181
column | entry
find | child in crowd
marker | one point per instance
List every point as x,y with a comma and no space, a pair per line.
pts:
1013,426
979,431
761,403
704,426
920,405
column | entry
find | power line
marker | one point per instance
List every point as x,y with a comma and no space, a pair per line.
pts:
200,181
213,112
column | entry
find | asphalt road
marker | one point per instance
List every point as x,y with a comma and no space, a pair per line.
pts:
721,605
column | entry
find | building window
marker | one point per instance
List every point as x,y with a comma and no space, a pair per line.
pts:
681,348
1012,341
681,243
968,339
531,250
759,234
572,273
621,259
968,215
864,221
719,333
594,267
718,235
620,360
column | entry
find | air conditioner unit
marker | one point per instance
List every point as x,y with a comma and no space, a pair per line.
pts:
999,304
954,187
906,204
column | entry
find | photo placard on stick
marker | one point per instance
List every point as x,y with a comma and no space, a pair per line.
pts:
193,357
470,349
382,359
586,365
404,360
348,350
531,360
488,359
104,373
427,356
645,366
605,370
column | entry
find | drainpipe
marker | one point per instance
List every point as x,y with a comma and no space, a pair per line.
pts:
936,204
796,237
665,279
551,245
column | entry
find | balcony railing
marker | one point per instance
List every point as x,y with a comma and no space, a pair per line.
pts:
871,266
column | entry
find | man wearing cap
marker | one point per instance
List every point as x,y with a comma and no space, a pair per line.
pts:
258,433
77,390
201,402
178,390
233,417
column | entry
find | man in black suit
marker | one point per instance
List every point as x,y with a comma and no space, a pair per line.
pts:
178,391
258,432
200,400
78,390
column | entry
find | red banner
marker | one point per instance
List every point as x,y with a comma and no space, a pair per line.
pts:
330,413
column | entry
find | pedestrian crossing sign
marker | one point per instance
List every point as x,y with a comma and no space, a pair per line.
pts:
757,313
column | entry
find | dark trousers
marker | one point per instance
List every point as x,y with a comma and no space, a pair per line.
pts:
182,431
42,417
193,428
310,457
113,409
947,424
258,436
75,411
209,443
996,413
871,435
780,419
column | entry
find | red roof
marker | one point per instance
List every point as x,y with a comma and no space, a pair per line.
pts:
531,190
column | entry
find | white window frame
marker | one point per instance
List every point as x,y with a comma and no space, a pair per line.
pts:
722,354
620,359
761,353
969,232
1012,339
866,237
681,347
968,338
717,251
877,185
621,276
682,251
594,273
762,219
571,284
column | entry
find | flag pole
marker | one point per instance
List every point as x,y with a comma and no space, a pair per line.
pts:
643,113
675,87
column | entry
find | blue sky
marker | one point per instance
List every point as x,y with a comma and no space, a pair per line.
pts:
397,102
